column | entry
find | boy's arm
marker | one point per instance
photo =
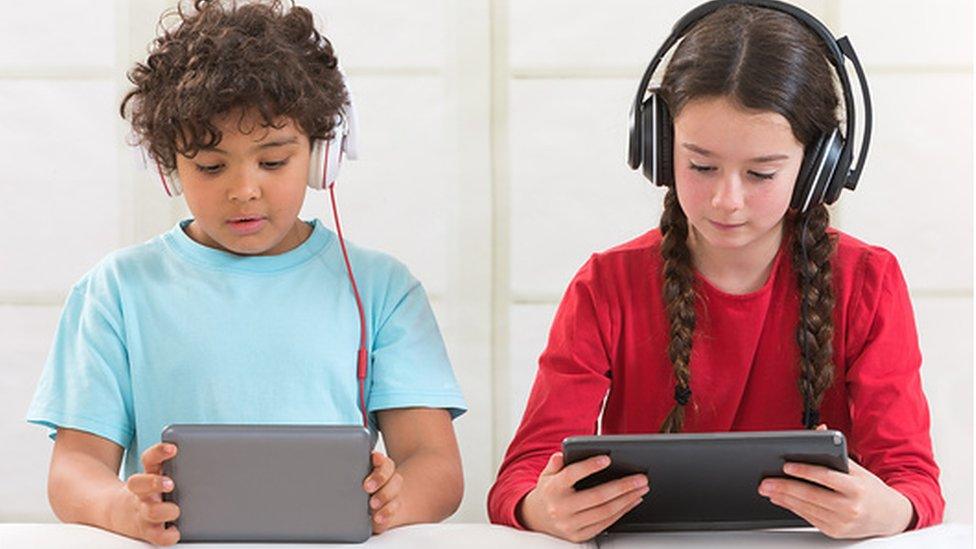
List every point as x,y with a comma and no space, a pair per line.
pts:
421,443
84,487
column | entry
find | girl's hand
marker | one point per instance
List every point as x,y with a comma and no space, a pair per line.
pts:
383,484
848,505
144,509
556,508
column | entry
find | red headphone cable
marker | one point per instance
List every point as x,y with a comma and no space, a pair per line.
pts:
362,356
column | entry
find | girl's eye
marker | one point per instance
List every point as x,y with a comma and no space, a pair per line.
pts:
209,169
698,168
274,165
764,176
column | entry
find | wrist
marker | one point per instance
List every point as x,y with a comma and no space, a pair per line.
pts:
904,516
119,515
523,512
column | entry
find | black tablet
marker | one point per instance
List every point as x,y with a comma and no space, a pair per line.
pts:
251,483
706,481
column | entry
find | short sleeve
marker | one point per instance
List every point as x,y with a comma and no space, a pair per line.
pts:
409,366
85,381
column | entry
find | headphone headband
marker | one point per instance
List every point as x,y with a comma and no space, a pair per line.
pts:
838,50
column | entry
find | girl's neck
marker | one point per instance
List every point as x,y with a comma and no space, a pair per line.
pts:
736,270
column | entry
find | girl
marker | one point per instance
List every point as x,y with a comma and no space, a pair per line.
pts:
743,311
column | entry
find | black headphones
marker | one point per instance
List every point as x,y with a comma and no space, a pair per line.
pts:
826,167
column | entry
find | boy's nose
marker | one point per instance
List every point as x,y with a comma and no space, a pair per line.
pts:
245,188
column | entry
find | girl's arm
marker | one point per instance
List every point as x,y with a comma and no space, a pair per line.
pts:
84,487
421,480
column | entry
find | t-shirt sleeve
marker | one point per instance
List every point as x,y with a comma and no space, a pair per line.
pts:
889,412
409,366
85,381
570,384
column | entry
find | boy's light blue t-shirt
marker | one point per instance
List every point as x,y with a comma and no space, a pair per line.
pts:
172,331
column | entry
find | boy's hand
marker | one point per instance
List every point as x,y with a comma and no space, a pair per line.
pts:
145,511
383,484
556,508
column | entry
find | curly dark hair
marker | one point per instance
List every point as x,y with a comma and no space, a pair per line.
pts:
763,60
221,56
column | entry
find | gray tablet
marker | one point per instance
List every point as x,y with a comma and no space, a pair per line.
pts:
251,483
706,481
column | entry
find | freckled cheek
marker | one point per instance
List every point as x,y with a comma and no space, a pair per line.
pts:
694,194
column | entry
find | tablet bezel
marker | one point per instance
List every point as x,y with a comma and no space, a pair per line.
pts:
270,483
707,481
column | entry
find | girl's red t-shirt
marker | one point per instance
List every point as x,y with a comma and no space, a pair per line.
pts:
610,334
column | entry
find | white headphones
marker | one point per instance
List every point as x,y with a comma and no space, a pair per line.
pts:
326,157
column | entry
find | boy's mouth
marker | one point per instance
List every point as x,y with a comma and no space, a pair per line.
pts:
248,224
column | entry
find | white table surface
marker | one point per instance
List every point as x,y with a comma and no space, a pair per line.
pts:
476,536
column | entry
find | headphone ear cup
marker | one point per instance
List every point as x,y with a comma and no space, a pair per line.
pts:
323,163
811,158
634,137
665,154
817,171
840,172
649,146
316,164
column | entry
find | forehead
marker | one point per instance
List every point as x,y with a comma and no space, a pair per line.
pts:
730,131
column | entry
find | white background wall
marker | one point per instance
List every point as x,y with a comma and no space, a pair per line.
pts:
492,137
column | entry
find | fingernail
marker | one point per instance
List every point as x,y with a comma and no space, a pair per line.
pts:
645,490
379,518
604,460
370,486
374,503
170,448
789,468
638,482
764,489
167,484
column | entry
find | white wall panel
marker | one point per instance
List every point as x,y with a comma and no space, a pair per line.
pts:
907,32
581,33
945,327
59,182
57,33
572,193
379,34
395,198
916,196
26,334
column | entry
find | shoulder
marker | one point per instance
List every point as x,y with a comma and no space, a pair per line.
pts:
642,251
126,263
862,267
625,267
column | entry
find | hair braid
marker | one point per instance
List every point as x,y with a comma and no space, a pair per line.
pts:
815,329
679,299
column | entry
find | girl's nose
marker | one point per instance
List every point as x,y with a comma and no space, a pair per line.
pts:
728,193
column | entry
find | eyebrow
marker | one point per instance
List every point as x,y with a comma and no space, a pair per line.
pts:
705,152
270,144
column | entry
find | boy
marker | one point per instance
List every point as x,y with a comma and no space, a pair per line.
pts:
243,313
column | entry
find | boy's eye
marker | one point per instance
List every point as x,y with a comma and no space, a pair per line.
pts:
274,165
209,168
